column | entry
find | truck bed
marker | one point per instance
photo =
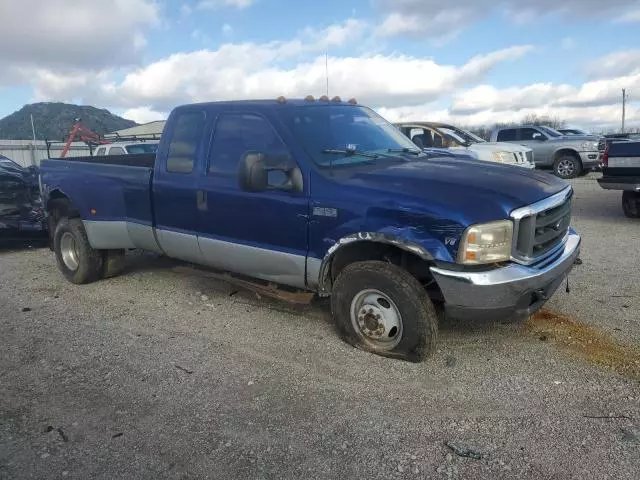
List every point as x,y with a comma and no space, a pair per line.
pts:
112,195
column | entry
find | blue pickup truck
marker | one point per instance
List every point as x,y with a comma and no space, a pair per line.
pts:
326,196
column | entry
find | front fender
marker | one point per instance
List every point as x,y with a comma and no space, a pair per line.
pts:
429,249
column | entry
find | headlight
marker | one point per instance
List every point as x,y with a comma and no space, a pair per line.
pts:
589,146
486,243
503,157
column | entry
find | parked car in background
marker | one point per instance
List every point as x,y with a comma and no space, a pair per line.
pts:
568,155
21,207
325,196
126,148
621,171
432,135
571,131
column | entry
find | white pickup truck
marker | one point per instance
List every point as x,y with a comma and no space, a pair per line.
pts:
126,148
431,135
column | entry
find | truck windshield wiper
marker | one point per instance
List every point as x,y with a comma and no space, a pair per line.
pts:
404,150
349,152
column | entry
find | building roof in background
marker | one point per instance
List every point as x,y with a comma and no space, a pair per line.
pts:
151,129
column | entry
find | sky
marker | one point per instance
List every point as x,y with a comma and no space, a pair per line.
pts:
469,62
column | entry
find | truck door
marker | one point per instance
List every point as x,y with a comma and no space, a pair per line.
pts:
174,187
258,234
538,141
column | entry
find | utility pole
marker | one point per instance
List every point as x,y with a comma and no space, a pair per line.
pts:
624,105
33,145
326,70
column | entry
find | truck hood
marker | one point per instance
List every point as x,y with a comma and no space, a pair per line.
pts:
468,190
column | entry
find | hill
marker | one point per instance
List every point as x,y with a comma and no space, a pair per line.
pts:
53,121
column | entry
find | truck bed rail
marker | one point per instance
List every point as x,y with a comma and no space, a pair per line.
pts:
146,160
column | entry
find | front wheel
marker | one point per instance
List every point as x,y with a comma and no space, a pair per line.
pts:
631,204
77,260
381,308
567,167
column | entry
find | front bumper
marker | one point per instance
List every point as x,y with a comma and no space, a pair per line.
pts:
510,292
590,159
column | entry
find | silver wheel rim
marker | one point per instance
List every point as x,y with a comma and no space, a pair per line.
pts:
376,319
69,251
566,168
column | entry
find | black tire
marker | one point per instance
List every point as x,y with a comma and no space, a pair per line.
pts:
113,262
631,204
567,166
88,260
418,316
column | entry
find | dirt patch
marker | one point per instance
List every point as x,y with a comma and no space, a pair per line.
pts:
587,342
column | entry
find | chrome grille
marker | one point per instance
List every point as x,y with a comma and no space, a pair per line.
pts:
542,227
530,156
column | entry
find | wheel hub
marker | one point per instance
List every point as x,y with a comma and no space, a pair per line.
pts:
376,319
69,252
369,320
565,167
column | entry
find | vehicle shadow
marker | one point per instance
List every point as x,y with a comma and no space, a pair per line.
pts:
214,284
17,243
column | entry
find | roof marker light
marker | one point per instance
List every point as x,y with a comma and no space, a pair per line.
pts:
309,98
323,98
281,99
336,99
353,101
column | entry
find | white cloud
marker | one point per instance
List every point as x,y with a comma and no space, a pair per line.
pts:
227,29
631,16
435,18
71,34
615,64
215,4
144,115
250,71
595,118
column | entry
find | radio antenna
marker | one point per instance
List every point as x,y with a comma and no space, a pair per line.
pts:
326,69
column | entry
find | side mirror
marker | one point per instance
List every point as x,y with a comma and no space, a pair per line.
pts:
539,137
254,168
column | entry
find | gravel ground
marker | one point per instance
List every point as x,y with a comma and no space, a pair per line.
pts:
166,373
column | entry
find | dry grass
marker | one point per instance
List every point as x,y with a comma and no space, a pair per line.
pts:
587,342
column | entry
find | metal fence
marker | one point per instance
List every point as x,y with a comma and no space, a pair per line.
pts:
28,152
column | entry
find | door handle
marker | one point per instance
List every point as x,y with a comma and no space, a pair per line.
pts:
201,200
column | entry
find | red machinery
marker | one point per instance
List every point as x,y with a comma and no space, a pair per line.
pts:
84,135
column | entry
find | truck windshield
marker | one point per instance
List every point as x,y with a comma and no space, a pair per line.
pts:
326,131
142,148
461,136
551,132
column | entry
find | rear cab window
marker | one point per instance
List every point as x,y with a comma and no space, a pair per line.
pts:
507,135
185,140
116,151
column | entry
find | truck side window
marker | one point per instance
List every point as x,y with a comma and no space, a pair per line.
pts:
527,133
237,133
185,139
116,151
507,135
100,151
